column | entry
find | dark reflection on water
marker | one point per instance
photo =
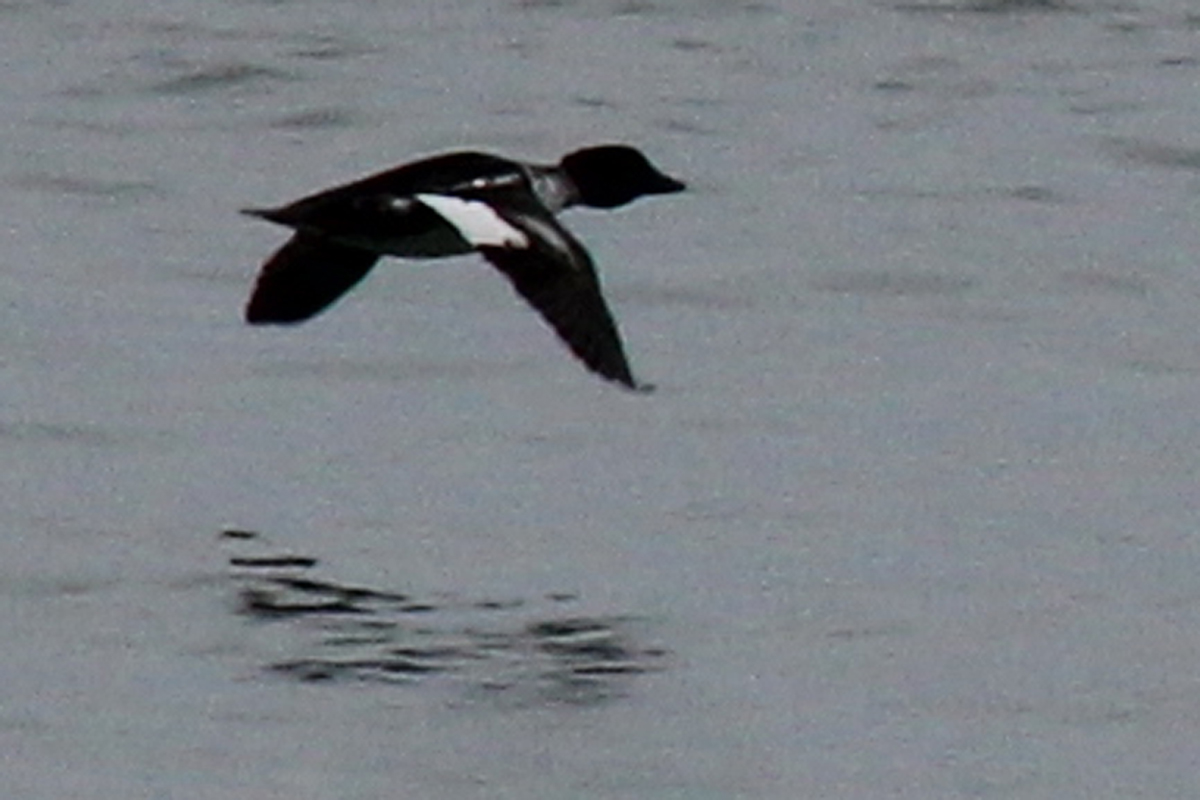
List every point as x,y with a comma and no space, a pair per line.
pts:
514,651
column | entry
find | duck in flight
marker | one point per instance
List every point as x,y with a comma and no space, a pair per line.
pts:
454,204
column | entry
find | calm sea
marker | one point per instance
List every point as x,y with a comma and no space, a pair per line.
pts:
912,514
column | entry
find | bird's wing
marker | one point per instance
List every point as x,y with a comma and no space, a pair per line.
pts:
304,277
550,269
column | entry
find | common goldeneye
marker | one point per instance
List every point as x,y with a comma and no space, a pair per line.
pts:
453,204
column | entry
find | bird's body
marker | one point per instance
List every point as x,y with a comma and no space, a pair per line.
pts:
454,204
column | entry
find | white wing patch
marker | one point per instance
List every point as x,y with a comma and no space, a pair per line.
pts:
476,222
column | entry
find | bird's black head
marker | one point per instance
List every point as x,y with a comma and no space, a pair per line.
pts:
612,175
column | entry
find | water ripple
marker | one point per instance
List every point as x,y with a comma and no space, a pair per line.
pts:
217,77
513,651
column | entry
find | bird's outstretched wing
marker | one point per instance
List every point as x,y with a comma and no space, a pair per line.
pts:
550,269
572,304
304,277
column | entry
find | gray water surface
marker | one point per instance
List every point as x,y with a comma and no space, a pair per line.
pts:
912,514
